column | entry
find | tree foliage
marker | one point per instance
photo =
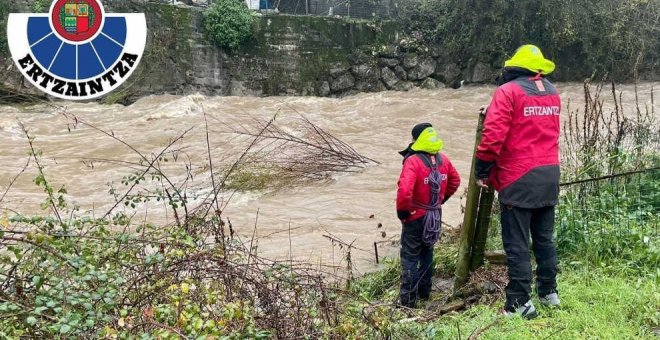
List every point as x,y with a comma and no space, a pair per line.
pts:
4,13
584,37
229,23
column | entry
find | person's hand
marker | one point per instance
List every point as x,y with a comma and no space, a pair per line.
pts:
403,214
482,183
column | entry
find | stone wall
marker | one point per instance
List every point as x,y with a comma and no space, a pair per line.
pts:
288,55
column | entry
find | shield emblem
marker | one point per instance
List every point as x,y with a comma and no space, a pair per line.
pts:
76,17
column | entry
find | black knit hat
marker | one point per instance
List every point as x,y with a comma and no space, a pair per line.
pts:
419,128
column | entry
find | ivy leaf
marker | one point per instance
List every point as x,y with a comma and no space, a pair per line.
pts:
65,329
31,320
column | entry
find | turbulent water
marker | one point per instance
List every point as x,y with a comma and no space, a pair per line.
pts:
376,125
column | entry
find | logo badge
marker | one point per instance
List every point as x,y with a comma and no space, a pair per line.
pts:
77,51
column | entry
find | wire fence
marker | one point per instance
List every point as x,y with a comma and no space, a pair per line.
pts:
606,219
611,219
197,3
365,9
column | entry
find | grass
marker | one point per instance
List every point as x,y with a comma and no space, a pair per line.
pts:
594,305
597,303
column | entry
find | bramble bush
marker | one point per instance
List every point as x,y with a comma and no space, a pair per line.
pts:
228,23
71,275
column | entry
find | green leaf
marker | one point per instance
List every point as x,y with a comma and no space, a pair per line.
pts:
65,329
31,320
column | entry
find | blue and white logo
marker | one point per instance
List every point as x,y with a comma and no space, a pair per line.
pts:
77,51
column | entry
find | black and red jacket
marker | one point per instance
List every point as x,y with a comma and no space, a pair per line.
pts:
519,150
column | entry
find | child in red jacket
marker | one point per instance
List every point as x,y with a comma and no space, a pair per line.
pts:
427,180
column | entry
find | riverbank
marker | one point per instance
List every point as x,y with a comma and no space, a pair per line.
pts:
112,228
375,124
85,281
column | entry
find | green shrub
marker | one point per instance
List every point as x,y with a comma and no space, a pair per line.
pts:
41,6
4,13
229,23
583,37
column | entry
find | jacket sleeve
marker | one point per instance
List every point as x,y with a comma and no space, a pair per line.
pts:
453,180
495,130
407,179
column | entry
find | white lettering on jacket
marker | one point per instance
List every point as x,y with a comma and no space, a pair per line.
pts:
541,111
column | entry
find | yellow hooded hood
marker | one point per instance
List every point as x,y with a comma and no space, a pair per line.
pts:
428,141
530,58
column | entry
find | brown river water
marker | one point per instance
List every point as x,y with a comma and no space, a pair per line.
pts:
376,124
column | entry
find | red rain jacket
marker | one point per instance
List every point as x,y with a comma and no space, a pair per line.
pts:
521,137
414,186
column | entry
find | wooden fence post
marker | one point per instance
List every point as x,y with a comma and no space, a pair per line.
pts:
470,218
481,230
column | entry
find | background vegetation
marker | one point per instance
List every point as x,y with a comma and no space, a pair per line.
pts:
4,13
583,37
228,23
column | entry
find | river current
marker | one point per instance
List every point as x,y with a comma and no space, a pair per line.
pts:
293,220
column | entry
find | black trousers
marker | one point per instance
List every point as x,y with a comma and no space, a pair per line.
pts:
517,226
416,264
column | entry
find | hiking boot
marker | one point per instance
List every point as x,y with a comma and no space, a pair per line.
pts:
526,311
550,300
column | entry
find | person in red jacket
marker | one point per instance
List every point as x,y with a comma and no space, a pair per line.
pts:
519,157
427,180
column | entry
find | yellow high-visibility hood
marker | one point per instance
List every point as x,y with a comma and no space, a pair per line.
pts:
428,141
530,58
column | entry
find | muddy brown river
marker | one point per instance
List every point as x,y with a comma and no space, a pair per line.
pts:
376,125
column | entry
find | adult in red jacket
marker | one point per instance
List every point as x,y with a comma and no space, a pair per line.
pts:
427,180
519,156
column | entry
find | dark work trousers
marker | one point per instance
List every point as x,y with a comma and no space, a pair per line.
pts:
416,264
517,225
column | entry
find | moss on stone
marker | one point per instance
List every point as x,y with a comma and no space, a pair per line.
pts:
300,50
167,58
5,9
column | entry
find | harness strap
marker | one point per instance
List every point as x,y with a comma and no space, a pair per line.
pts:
431,162
432,217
